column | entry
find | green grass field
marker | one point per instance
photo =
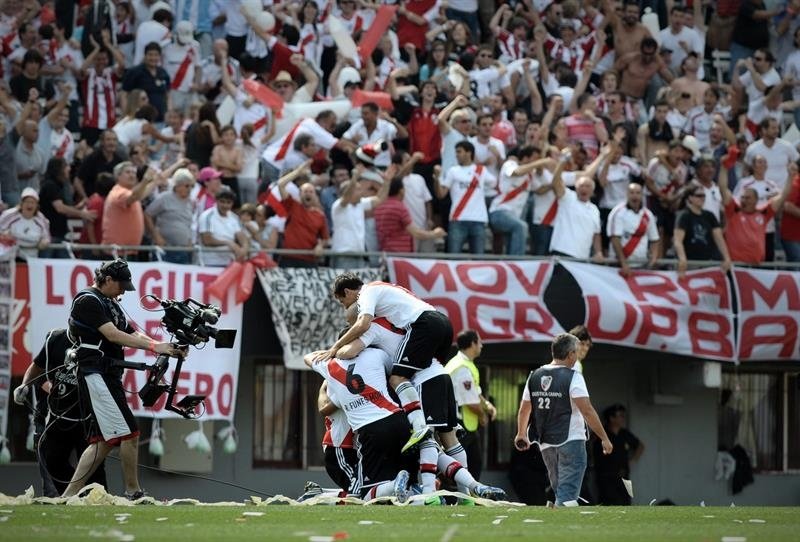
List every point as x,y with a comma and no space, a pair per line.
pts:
381,523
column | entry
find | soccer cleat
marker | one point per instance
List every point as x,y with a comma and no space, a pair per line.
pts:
311,489
136,495
416,437
489,492
400,490
435,500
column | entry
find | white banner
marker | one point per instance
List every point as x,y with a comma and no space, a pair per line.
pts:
305,314
211,372
502,301
657,311
769,314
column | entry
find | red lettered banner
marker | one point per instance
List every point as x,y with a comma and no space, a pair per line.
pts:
211,372
502,301
655,310
769,314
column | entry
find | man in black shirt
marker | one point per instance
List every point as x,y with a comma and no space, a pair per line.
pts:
611,469
57,414
151,78
101,160
101,330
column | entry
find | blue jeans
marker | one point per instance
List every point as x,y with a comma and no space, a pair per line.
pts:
792,250
179,257
565,467
470,18
466,230
540,239
515,228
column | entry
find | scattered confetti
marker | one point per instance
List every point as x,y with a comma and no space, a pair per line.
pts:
734,539
369,522
6,511
532,521
320,539
588,512
708,516
162,519
738,521
252,514
757,521
497,521
3,518
449,533
458,515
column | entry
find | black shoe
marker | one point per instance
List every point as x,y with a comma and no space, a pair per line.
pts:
311,489
136,495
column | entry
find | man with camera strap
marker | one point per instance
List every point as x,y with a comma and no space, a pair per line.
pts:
101,331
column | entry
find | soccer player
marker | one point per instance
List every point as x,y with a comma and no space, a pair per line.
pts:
359,387
428,334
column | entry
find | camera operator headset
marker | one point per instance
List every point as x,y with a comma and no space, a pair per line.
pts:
57,413
100,330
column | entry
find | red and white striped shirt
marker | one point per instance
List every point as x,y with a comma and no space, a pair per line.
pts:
99,97
513,190
573,54
180,61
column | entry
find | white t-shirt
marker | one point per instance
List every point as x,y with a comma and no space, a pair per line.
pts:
484,82
483,154
220,227
513,193
792,69
575,226
577,425
623,222
672,41
391,301
256,114
415,196
449,148
713,201
778,158
545,205
755,96
129,131
360,408
348,225
147,32
384,130
619,177
459,180
277,151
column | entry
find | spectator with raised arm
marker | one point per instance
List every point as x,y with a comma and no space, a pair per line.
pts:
746,220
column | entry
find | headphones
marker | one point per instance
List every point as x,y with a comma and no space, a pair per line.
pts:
109,270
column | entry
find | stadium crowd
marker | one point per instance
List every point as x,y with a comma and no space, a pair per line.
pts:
586,128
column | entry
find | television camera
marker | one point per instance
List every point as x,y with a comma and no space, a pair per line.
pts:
191,323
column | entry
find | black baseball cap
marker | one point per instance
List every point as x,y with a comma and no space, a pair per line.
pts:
118,270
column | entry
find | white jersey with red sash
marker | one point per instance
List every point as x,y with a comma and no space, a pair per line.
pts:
255,114
99,97
393,302
360,387
511,48
338,432
277,151
545,205
62,145
467,186
513,190
636,230
180,62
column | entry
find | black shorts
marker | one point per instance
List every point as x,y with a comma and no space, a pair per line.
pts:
341,464
379,451
430,336
111,420
439,403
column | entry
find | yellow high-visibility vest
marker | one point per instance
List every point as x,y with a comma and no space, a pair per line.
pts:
468,417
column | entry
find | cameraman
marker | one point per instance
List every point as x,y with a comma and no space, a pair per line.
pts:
56,415
100,329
